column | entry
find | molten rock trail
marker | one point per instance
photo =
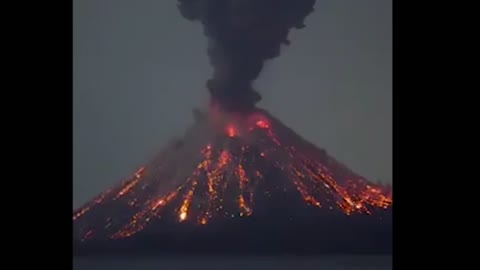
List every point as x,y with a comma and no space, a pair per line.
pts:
239,180
229,167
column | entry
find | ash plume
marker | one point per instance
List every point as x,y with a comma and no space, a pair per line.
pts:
242,34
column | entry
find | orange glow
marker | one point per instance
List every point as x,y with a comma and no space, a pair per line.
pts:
160,202
242,175
82,211
214,177
262,124
186,203
302,189
139,172
87,235
142,218
224,158
127,188
245,210
131,184
226,178
232,131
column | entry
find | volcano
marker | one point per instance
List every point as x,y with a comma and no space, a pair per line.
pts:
239,182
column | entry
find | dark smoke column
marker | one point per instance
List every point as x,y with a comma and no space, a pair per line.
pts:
242,35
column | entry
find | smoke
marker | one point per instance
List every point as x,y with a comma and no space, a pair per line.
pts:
242,34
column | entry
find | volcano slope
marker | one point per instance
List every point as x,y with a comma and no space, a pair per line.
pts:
238,183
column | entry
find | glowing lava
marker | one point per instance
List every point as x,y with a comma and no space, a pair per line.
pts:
262,124
225,180
232,131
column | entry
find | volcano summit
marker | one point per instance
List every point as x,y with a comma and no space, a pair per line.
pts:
239,180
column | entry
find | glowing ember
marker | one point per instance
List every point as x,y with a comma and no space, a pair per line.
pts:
262,124
186,202
82,211
87,235
224,183
131,184
245,210
231,131
142,218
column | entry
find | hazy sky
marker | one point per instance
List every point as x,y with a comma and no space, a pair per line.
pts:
139,68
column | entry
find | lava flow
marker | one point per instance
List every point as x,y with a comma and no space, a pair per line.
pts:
243,163
239,179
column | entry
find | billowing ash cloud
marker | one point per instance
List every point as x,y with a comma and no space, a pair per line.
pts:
242,35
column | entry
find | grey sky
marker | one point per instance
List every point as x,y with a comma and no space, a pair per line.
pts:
139,68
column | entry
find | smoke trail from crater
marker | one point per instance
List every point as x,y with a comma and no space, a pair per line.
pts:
242,34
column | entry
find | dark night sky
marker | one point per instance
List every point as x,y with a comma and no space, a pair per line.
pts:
139,69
